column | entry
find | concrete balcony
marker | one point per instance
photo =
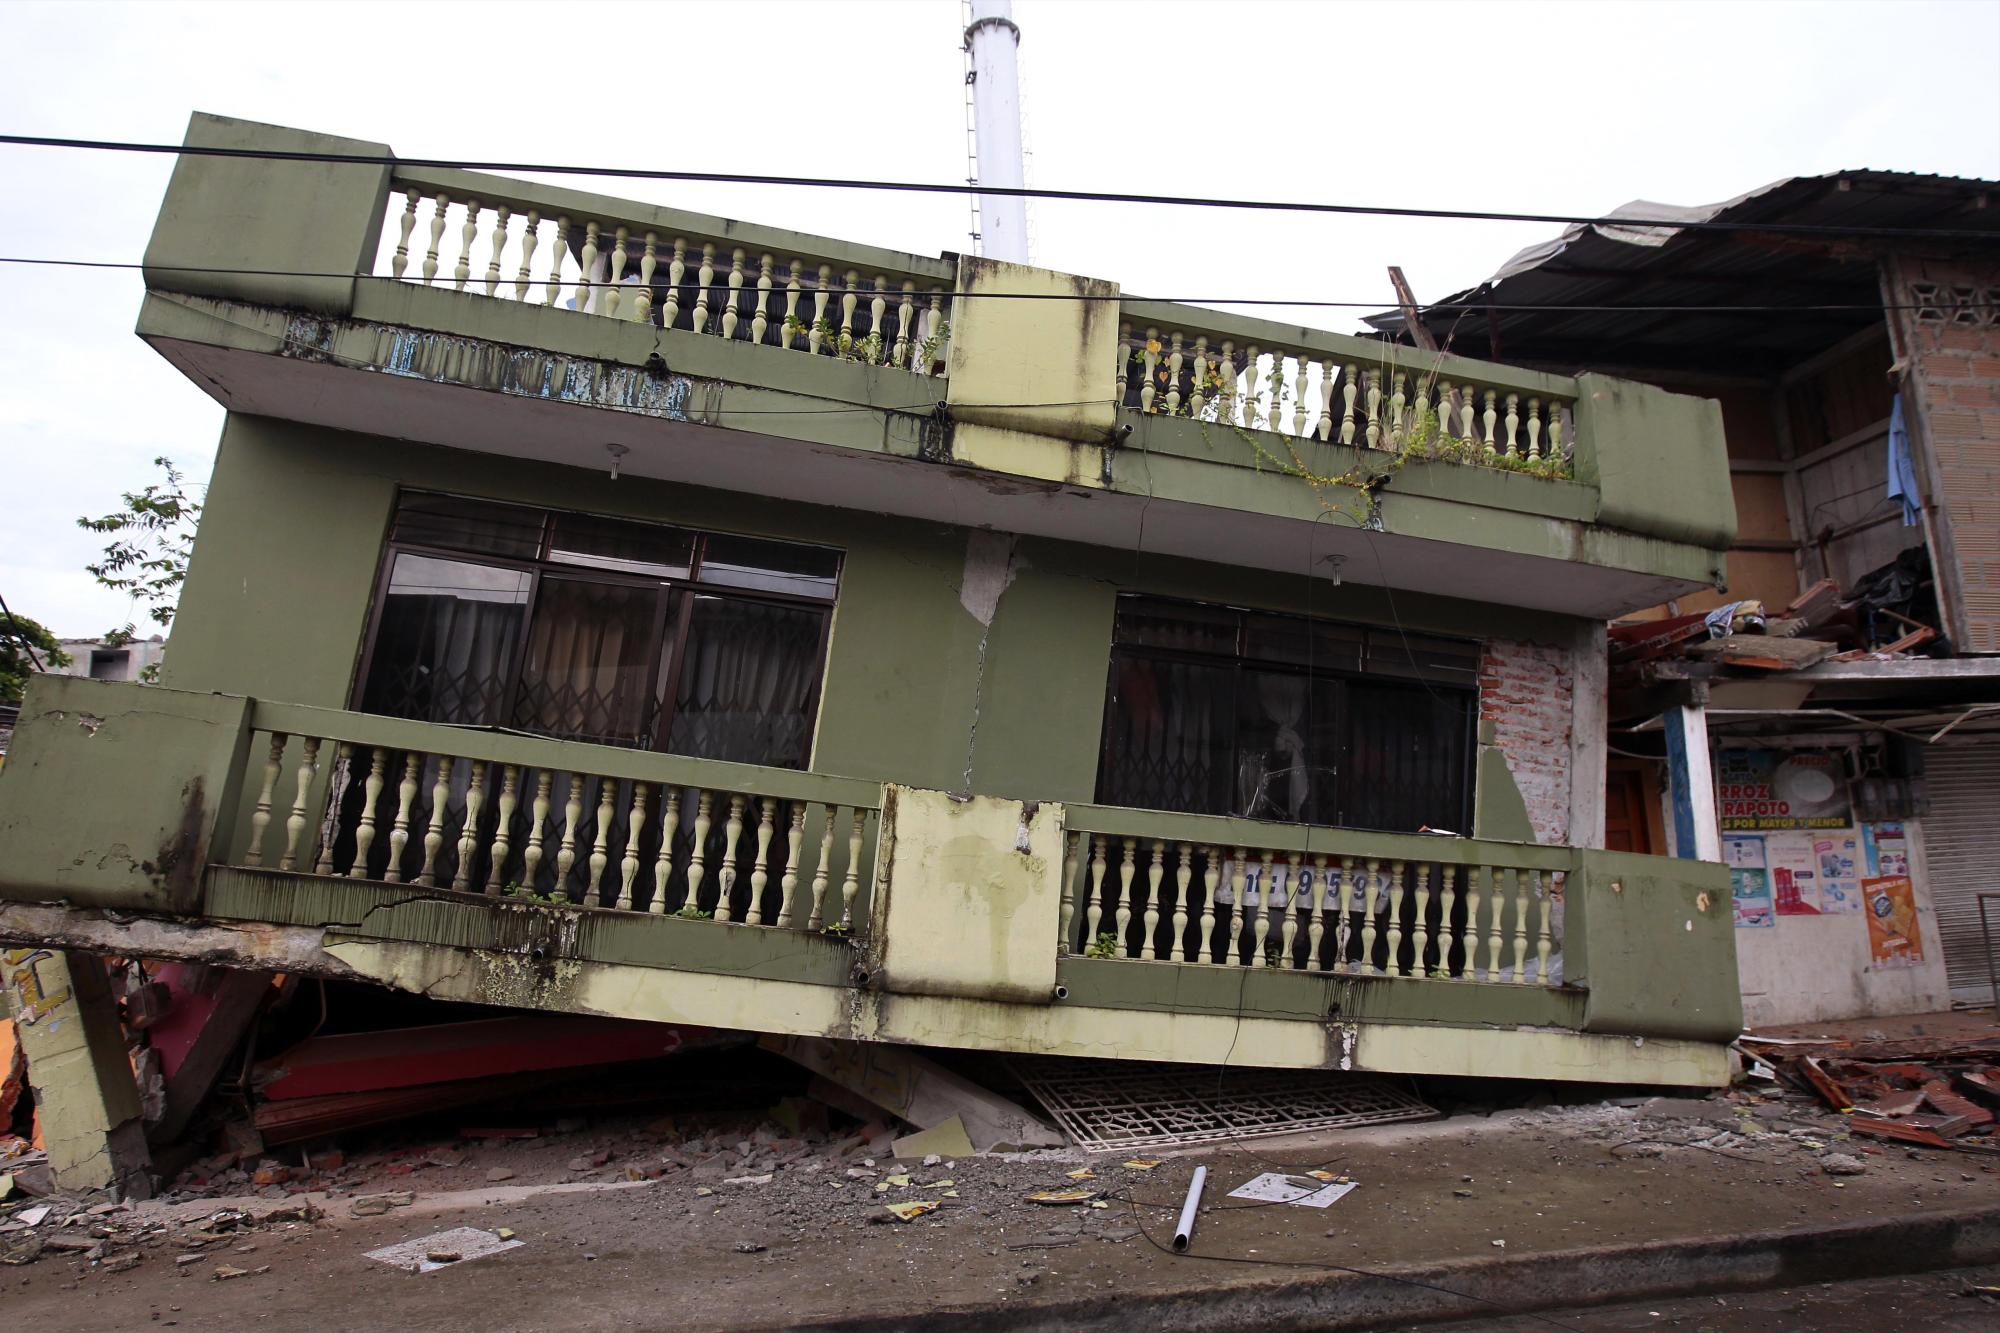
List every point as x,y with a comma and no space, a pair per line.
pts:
562,876
506,317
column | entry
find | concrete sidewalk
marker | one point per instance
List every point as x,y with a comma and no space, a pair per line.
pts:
1526,1206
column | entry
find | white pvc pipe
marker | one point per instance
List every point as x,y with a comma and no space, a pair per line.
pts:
1185,1227
994,41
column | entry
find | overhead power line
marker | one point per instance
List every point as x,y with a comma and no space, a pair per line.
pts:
1825,230
540,282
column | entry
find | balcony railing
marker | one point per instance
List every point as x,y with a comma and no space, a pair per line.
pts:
346,794
1240,893
513,240
1315,387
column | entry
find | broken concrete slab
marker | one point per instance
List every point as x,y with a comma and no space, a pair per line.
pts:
916,1089
467,1243
947,1139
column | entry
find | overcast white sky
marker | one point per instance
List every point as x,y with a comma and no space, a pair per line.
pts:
1566,108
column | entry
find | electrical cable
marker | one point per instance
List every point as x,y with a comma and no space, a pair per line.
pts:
22,635
1085,298
975,188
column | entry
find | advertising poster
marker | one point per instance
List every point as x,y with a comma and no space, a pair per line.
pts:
1760,790
1749,884
1840,868
1888,851
1893,940
1793,866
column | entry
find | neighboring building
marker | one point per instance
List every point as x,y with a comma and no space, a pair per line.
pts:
803,637
1850,330
100,659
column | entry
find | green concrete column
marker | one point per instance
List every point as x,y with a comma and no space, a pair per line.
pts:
89,1102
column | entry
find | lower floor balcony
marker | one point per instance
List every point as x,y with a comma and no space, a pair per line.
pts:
518,870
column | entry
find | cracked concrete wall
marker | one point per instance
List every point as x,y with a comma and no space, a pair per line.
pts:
89,1101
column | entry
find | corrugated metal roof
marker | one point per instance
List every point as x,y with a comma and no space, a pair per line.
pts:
1604,264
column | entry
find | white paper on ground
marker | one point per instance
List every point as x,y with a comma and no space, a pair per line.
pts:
1272,1187
468,1243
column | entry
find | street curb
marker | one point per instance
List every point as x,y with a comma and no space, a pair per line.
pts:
1561,1279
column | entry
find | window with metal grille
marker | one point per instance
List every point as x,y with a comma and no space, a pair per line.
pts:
599,629
1223,711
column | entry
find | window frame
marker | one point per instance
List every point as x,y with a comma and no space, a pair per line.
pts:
671,623
1343,678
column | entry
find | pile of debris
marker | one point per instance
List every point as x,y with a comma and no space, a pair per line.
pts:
113,1237
1927,1093
1819,625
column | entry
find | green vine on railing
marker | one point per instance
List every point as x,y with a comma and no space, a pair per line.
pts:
1424,435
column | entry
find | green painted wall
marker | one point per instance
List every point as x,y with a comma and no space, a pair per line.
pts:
278,596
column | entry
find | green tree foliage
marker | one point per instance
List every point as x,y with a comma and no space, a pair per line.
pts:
18,635
152,534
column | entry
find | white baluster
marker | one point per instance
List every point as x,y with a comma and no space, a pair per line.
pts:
1150,364
1447,934
1556,418
502,829
468,834
670,309
1174,376
878,307
1534,430
1182,882
613,294
1373,434
649,264
1289,935
697,869
586,283
1225,389
1324,428
816,920
1128,899
566,852
1343,925
905,314
556,253
1198,381
1370,884
1420,936
1544,940
607,809
406,797
438,205
729,316
1125,354
1072,868
850,883
1398,912
706,277
400,261
343,764
663,864
467,234
1475,876
295,823
628,864
1255,415
850,297
1490,419
760,321
725,874
1521,892
788,883
1316,925
531,859
1150,921
1239,946
1398,400
1349,385
1211,875
434,822
1093,904
1267,886
1447,421
816,335
1420,412
1513,449
260,816
364,833
1466,410
500,217
791,308
760,872
528,242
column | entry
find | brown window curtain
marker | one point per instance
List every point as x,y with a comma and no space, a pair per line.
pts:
746,682
446,640
589,662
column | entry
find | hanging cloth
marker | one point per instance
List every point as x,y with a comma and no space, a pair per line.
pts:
1902,471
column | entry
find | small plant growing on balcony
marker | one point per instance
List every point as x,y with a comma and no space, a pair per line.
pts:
691,912
1105,946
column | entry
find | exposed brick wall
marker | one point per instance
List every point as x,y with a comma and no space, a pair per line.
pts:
1526,691
1952,341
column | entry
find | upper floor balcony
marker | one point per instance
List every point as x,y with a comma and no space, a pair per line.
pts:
509,317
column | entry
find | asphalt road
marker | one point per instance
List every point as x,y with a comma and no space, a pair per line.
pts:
1942,1301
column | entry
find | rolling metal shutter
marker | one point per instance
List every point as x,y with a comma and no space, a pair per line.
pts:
1962,851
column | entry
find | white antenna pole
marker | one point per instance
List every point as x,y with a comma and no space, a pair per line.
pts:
993,42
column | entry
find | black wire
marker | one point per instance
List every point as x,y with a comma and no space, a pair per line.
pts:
974,188
893,296
22,635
